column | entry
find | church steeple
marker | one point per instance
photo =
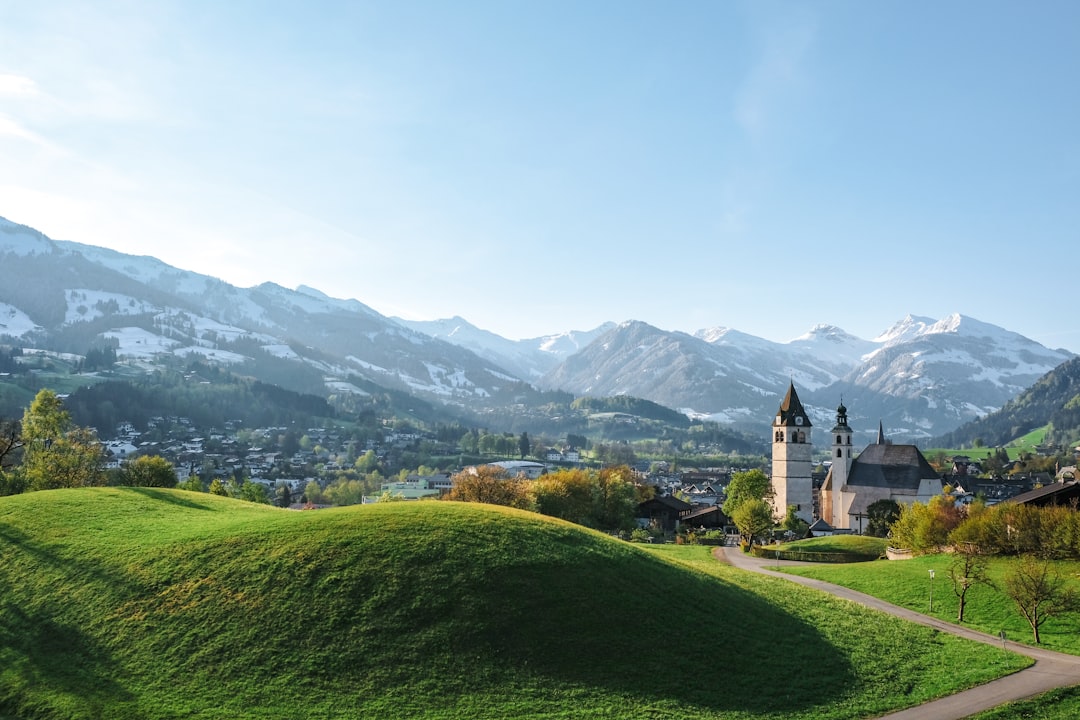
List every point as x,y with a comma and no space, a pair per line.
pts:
840,468
791,411
791,458
880,433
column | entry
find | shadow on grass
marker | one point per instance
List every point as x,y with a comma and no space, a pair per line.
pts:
682,637
61,671
173,497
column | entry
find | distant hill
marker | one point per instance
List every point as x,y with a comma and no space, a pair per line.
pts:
1053,400
145,603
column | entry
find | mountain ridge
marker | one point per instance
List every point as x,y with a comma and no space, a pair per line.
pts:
920,376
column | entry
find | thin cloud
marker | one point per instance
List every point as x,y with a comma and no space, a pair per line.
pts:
776,76
17,86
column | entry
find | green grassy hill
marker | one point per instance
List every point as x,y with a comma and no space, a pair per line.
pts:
160,604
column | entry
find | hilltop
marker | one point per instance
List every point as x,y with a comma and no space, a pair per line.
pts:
156,603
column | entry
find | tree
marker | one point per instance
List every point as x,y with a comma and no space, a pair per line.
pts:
1039,592
218,488
490,484
880,515
11,482
967,569
57,453
752,517
192,484
614,499
745,486
795,524
565,494
148,471
283,494
523,444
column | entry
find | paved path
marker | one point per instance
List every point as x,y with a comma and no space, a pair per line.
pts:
1051,669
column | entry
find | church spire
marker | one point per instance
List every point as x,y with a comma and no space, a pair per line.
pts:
880,433
791,410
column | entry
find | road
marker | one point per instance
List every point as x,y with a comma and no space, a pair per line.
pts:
1051,669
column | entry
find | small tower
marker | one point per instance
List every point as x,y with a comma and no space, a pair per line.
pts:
791,464
841,467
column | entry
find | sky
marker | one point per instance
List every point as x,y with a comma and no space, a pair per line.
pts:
541,166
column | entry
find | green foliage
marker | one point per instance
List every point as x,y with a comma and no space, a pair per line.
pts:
880,516
182,605
744,486
793,523
753,518
56,453
924,528
148,471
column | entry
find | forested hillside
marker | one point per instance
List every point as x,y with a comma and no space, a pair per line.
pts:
1053,400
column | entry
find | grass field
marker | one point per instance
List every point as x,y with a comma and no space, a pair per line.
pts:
859,544
907,583
125,603
1023,444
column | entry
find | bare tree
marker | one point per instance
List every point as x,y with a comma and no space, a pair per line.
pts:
1039,592
968,569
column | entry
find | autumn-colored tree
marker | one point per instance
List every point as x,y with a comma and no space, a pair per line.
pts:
491,484
565,494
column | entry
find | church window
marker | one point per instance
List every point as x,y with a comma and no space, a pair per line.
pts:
839,452
838,440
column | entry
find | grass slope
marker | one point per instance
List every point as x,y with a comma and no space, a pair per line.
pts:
907,583
154,603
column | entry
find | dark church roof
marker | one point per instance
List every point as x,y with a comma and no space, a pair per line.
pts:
791,410
899,467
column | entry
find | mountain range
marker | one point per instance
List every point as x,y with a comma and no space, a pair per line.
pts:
922,377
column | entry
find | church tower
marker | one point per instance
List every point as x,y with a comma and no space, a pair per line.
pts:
791,463
841,467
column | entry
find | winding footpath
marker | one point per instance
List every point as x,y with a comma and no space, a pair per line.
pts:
1051,669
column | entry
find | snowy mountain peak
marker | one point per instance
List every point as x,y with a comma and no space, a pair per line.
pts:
21,240
713,334
911,326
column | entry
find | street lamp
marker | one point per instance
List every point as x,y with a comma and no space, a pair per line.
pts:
931,590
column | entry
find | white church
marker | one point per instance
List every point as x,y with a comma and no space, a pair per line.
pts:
881,471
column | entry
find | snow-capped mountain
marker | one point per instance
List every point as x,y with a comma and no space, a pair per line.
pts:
527,359
921,377
59,291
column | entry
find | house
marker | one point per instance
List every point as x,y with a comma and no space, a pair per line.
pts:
664,512
1060,493
529,469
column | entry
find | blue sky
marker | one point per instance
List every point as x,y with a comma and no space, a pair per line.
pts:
543,166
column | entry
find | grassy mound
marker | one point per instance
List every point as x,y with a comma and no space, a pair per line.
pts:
154,603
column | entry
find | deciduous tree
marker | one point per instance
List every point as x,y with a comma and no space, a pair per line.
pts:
752,518
967,569
56,453
1039,592
492,485
743,487
148,471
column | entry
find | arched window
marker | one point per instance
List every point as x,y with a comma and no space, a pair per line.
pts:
839,439
839,452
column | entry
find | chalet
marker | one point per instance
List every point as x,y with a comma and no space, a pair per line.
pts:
1060,493
664,512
